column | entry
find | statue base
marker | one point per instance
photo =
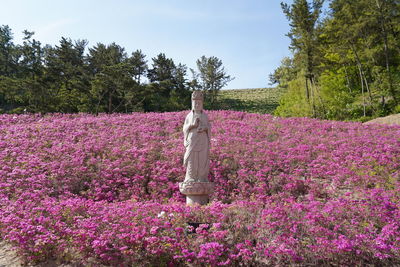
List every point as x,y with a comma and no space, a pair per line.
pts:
196,192
194,199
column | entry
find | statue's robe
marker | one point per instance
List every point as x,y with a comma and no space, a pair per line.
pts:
196,159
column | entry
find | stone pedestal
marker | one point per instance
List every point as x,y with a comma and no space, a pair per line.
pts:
196,192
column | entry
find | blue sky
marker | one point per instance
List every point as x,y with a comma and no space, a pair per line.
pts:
247,35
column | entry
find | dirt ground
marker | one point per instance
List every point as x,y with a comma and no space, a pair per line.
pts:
8,256
391,120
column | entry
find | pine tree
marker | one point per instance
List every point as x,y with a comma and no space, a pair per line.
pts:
303,18
211,76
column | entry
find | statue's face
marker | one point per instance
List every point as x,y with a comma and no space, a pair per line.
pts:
197,105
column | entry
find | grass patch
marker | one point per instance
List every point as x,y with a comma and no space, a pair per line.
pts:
259,100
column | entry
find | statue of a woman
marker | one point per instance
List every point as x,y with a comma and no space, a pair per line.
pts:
196,132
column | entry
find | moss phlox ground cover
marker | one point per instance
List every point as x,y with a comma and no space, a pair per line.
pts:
103,190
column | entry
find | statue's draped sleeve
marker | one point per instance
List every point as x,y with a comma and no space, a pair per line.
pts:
208,130
186,126
186,142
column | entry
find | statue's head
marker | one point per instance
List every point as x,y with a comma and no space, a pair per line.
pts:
197,101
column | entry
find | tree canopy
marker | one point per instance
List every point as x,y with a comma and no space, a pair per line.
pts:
346,64
72,77
210,76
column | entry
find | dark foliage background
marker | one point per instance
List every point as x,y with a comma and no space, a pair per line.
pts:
71,77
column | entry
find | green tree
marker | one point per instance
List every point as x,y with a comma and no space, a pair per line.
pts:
114,89
284,73
359,31
66,75
168,89
211,76
7,52
294,102
181,94
33,90
113,78
303,18
12,85
385,14
355,58
139,65
162,69
62,78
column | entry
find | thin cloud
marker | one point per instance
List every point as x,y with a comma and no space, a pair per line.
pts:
165,11
181,13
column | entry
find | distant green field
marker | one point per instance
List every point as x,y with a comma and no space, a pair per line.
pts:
260,100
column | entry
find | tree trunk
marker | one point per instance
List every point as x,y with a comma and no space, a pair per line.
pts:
110,102
311,96
347,79
362,74
386,49
307,91
318,93
368,90
362,89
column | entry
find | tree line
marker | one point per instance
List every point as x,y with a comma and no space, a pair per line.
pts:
72,77
345,62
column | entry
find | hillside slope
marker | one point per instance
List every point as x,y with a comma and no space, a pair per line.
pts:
259,100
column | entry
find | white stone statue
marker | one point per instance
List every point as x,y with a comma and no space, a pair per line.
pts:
196,132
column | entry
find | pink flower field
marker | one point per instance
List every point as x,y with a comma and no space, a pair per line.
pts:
103,190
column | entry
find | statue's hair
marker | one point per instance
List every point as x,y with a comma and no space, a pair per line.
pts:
197,95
